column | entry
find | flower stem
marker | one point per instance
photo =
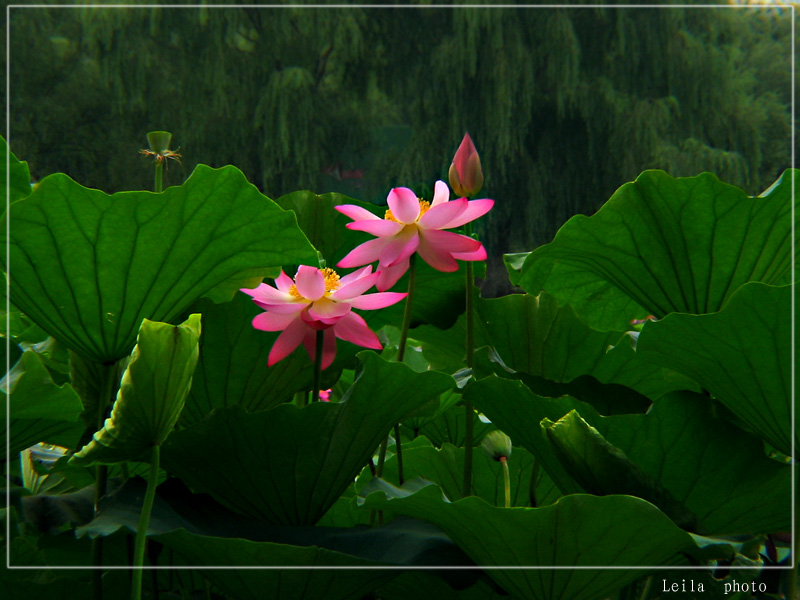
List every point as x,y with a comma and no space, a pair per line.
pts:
381,457
506,480
379,473
468,410
101,478
317,365
144,520
412,282
401,352
534,481
159,184
399,455
648,583
108,378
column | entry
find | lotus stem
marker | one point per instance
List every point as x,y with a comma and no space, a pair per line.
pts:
144,521
468,409
506,480
379,473
648,583
400,478
107,391
534,481
159,183
97,543
412,281
317,365
401,352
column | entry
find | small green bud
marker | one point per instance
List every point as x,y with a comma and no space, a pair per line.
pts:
497,445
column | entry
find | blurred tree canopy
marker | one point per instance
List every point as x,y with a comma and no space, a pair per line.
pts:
564,104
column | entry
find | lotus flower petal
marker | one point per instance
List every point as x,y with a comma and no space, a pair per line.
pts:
353,328
287,341
356,212
404,205
310,283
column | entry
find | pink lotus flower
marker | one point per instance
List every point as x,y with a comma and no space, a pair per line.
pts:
414,225
466,176
317,299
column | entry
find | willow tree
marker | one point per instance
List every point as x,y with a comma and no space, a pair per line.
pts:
565,104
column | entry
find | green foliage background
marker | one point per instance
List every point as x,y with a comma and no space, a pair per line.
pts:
564,104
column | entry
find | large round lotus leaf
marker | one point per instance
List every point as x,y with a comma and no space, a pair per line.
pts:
289,465
88,267
576,531
741,355
663,244
678,456
534,335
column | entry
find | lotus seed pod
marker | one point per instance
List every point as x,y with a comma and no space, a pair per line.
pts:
159,141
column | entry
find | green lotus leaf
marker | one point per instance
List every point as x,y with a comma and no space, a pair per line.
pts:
439,298
298,462
514,409
90,379
39,410
445,466
741,355
88,267
715,471
175,508
17,179
348,583
408,585
576,531
449,427
514,263
536,336
602,469
445,349
151,396
207,534
663,244
324,226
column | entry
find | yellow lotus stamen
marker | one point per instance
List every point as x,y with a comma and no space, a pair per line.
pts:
424,205
331,284
331,280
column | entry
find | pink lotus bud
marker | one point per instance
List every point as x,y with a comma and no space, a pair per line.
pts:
466,177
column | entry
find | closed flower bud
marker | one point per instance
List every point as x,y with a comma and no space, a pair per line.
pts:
497,445
466,177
